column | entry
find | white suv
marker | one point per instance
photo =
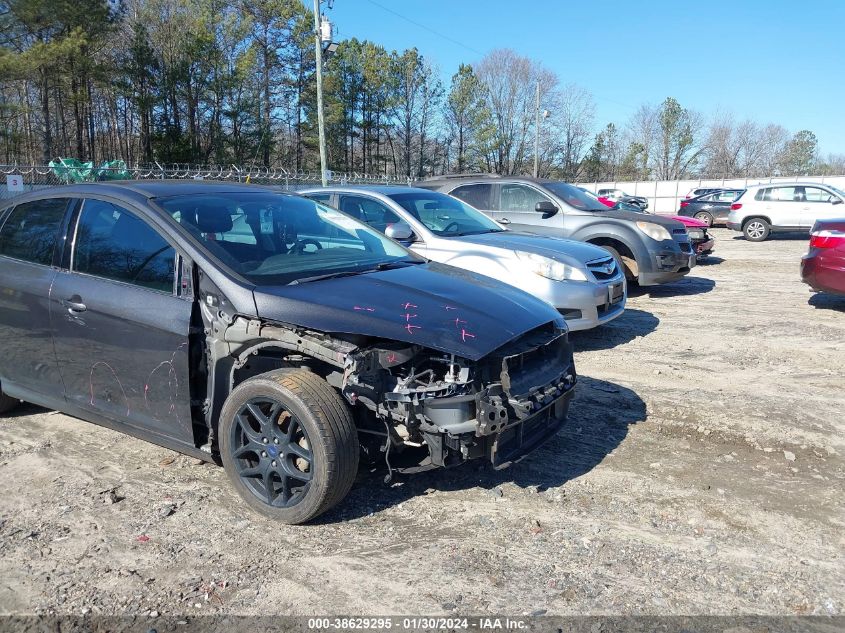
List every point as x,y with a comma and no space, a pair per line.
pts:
792,206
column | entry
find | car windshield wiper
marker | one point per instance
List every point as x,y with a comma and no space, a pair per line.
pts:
397,264
481,232
343,273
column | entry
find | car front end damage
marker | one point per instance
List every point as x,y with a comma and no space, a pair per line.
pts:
701,240
499,408
407,398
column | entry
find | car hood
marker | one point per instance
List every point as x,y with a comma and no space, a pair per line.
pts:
554,247
634,216
432,305
689,222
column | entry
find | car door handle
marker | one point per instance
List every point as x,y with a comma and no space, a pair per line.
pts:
74,304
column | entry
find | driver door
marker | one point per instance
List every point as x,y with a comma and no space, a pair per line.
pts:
120,327
516,205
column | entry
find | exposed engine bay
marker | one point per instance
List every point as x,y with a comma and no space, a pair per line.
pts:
405,396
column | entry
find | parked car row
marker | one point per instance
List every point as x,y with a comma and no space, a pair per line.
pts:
286,336
651,249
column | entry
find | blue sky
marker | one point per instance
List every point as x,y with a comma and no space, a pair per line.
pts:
774,62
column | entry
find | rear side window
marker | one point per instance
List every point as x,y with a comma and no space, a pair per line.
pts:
31,230
478,196
113,243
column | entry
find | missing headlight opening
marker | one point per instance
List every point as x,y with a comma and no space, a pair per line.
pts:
425,403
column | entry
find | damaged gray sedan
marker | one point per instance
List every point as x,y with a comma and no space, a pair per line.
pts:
270,333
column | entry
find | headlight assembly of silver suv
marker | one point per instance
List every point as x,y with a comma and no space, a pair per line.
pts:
551,268
654,231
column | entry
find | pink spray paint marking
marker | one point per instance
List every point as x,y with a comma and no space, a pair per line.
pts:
391,357
447,308
411,328
407,306
458,322
364,308
465,335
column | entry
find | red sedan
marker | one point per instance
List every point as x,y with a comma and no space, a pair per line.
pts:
823,267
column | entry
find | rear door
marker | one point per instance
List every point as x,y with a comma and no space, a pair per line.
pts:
28,257
478,195
120,326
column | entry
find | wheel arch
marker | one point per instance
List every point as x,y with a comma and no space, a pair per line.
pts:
629,256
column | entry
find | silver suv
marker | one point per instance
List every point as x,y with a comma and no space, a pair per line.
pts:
788,206
652,249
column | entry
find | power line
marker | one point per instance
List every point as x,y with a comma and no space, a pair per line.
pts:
427,28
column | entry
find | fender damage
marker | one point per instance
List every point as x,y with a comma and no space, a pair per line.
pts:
413,372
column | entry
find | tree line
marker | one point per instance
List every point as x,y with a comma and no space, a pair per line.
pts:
233,82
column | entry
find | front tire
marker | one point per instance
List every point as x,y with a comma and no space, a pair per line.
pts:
7,403
756,229
627,265
288,444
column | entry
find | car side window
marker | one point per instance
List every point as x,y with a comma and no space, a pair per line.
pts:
31,230
324,198
369,211
114,244
785,194
816,194
478,196
520,198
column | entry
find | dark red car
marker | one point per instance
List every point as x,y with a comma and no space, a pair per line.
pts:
823,267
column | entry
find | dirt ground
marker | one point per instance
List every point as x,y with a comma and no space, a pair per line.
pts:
701,472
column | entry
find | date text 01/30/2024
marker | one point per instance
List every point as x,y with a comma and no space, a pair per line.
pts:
415,623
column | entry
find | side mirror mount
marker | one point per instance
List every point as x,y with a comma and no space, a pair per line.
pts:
836,200
546,207
400,232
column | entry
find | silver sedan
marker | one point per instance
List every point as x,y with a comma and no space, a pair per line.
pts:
581,280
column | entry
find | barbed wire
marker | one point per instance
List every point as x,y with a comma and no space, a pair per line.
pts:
55,175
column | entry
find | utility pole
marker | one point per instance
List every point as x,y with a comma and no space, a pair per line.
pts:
321,124
536,135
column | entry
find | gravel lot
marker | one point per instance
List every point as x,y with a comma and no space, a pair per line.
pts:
701,472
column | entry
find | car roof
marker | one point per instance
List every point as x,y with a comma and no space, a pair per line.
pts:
796,183
150,188
385,190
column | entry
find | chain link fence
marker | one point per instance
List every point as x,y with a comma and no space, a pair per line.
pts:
16,179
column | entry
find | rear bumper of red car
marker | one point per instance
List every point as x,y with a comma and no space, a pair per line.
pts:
823,269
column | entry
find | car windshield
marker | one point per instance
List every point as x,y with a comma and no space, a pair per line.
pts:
272,238
574,197
838,191
444,215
